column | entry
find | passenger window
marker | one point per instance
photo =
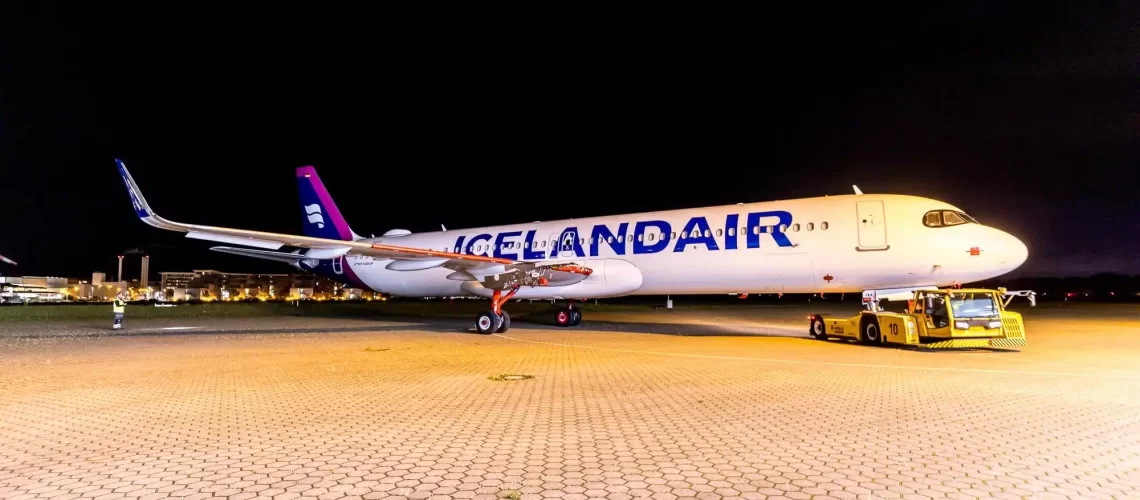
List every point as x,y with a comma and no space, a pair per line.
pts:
591,240
526,244
695,234
823,226
783,228
682,235
609,239
719,232
651,236
932,219
755,229
810,226
952,218
673,235
796,227
621,238
640,238
708,233
732,231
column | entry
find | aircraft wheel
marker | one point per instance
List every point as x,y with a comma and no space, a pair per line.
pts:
817,329
575,317
488,322
562,317
506,325
871,333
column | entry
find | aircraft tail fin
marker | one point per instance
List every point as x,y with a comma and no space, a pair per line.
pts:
322,218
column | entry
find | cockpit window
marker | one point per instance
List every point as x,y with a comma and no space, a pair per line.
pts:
943,218
952,218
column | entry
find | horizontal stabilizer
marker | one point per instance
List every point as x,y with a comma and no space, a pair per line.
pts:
287,258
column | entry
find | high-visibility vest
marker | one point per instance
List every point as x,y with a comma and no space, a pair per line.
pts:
120,306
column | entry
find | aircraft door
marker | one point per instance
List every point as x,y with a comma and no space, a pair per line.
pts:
872,226
565,246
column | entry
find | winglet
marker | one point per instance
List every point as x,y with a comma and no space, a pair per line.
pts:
141,208
857,190
7,260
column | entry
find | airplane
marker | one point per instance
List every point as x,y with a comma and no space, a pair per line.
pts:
831,244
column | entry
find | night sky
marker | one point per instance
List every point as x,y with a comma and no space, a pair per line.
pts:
1025,117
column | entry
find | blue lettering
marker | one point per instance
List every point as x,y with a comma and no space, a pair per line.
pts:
471,243
459,245
641,237
499,244
696,232
730,230
529,245
568,241
755,229
616,242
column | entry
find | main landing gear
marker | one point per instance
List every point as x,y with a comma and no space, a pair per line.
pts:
568,316
496,320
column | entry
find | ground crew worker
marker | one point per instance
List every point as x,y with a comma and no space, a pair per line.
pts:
120,306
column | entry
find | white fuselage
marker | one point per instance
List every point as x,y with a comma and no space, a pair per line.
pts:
831,244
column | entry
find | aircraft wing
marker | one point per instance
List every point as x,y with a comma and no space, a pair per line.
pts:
7,260
405,258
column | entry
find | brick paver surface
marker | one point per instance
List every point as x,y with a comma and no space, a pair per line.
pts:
409,411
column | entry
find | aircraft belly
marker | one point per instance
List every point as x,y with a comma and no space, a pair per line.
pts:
610,278
423,283
733,271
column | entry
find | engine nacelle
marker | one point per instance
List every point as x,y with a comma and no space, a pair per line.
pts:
610,278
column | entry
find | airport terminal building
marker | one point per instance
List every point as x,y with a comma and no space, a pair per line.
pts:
208,284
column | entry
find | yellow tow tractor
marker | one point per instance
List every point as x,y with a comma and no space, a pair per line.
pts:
969,318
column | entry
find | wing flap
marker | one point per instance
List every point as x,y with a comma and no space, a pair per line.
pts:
220,238
287,258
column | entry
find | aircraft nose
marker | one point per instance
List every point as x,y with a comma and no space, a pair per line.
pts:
1022,251
1015,251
